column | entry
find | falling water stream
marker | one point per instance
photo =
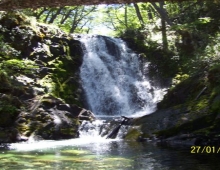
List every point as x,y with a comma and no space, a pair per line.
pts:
115,83
113,78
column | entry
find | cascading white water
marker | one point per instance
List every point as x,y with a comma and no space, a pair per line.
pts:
112,78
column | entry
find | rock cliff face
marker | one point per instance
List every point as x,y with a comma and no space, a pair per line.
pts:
188,114
6,5
39,89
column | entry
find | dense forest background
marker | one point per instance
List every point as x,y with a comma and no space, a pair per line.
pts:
177,38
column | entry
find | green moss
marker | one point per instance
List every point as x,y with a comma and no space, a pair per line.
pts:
200,106
68,131
7,108
133,133
189,127
203,103
215,92
214,75
24,129
179,78
185,92
17,66
3,135
215,106
60,80
4,79
204,131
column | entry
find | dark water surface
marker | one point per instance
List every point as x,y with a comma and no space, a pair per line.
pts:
101,154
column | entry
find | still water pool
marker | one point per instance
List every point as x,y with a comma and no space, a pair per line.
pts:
102,154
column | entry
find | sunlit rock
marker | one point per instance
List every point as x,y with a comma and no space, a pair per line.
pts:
38,76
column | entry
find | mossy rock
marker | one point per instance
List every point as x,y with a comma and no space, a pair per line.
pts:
50,101
69,132
40,48
52,131
214,75
215,106
8,135
6,120
184,92
188,127
133,133
9,106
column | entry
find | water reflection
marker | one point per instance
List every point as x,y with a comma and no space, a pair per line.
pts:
105,154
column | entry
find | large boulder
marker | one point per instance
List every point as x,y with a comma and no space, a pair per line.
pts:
51,118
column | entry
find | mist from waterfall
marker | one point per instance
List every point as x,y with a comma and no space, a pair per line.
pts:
113,80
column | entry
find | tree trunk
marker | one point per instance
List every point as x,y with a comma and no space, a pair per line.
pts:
126,16
163,29
73,27
162,13
48,14
164,18
140,18
150,10
54,16
66,16
40,13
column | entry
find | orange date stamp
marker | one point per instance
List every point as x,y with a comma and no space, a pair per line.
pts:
205,149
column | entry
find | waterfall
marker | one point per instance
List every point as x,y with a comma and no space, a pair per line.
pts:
112,78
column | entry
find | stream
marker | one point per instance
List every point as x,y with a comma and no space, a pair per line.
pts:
96,153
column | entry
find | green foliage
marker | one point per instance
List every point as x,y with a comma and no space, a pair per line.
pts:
17,66
133,134
179,78
193,39
75,19
136,39
163,63
214,75
216,106
198,40
6,107
4,77
6,50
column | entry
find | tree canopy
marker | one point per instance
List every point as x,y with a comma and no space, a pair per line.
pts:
176,36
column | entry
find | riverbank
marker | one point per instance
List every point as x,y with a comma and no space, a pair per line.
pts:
188,114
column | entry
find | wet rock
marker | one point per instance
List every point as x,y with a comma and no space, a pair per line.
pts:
57,49
44,71
21,138
21,120
75,111
63,130
48,62
9,135
50,101
86,115
48,122
69,108
133,133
